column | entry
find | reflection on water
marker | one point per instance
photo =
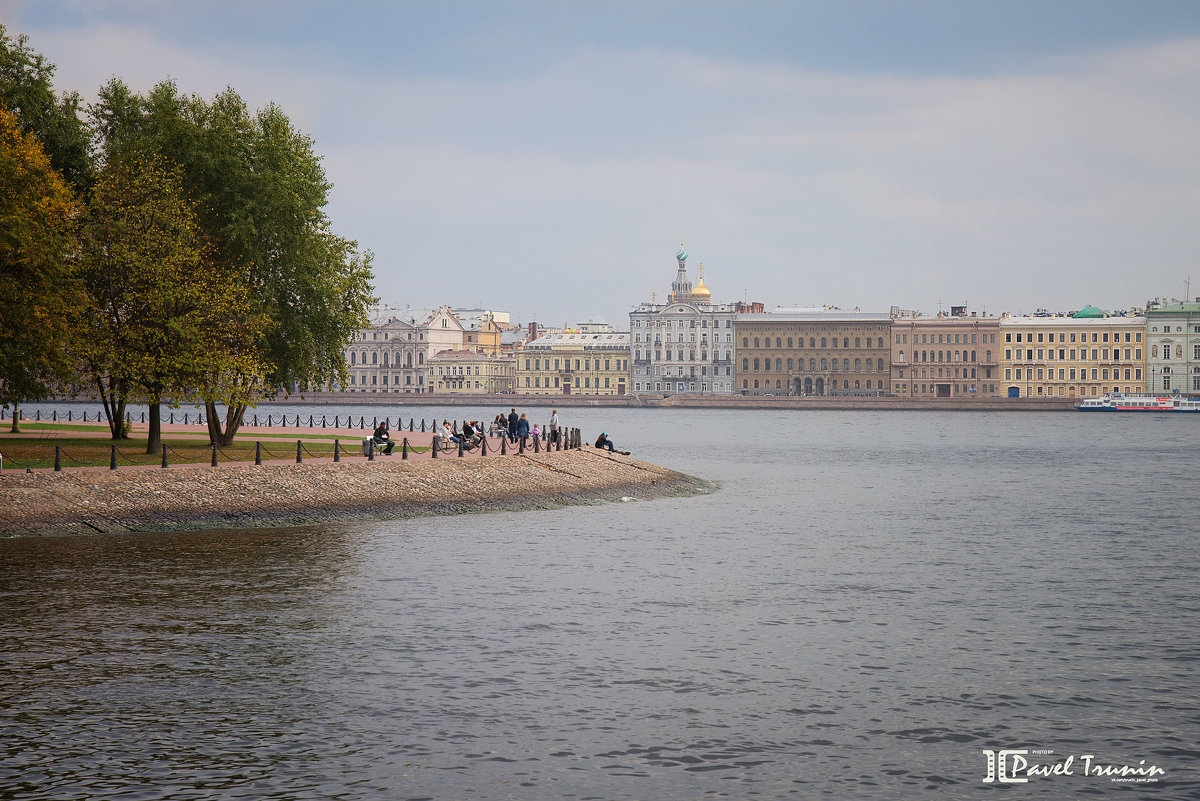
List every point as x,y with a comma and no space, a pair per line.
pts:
867,602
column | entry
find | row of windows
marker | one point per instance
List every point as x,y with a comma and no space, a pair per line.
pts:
671,354
945,356
812,365
690,323
609,364
681,370
466,370
383,379
1098,354
587,382
1096,336
812,342
356,358
1068,374
1166,351
929,389
944,339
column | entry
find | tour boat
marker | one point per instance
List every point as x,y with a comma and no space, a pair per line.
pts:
1120,402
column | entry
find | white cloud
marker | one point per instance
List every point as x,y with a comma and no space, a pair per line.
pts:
1072,181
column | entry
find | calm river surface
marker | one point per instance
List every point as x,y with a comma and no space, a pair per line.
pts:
868,602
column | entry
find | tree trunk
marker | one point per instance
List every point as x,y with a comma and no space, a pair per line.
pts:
154,436
233,421
114,401
16,423
214,424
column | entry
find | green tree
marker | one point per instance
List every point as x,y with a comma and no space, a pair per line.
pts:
260,192
26,89
37,284
162,315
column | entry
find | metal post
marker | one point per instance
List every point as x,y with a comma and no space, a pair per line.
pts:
38,416
483,446
460,447
435,447
185,417
258,453
404,449
504,446
299,458
143,417
172,420
422,425
112,458
214,454
322,421
310,421
57,459
268,421
535,444
521,448
371,449
164,459
410,424
362,423
335,421
337,451
54,416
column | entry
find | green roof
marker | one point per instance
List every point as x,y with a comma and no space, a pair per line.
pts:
1174,309
1088,312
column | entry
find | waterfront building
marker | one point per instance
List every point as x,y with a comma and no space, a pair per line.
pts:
953,355
470,372
817,351
590,359
685,345
1173,339
387,357
1076,356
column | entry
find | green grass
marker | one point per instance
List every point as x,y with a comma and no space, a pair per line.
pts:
23,452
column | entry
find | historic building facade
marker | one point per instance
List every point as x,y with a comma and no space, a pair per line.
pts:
948,356
591,359
1078,356
812,352
685,345
470,372
388,357
1173,339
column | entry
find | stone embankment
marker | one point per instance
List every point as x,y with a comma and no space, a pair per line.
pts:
246,495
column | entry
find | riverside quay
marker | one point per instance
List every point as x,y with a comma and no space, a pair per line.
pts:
693,344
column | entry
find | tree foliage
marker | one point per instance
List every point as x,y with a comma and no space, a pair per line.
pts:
260,193
27,91
162,315
37,285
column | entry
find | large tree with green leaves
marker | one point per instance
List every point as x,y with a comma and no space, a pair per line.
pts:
162,315
37,283
260,193
27,91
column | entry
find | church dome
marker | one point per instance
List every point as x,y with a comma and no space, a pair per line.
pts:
701,291
681,256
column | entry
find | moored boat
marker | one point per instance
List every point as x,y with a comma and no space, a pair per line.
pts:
1120,402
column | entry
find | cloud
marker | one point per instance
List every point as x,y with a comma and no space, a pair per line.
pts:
562,191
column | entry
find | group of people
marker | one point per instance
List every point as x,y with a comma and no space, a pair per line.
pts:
516,428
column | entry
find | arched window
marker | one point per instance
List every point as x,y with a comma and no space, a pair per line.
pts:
789,342
745,342
857,341
824,364
857,365
791,362
756,367
857,385
756,383
812,365
385,359
778,365
778,385
374,357
756,342
845,342
778,342
822,343
353,357
745,364
420,359
845,385
812,342
835,365
745,383
846,365
834,342
869,383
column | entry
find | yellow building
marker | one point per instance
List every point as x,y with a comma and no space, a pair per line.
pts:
589,360
948,356
1080,356
469,372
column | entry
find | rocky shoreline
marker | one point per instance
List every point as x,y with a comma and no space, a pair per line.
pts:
246,495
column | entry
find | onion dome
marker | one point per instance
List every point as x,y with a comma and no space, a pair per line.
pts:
681,256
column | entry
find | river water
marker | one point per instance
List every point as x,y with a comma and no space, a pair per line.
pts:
867,602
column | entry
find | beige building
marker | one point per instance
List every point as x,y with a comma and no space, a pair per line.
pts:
469,372
388,357
947,356
812,352
1173,343
589,360
1078,356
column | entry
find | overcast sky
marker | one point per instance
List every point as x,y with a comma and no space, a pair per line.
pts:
546,157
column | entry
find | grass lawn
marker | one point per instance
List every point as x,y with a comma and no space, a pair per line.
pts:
22,452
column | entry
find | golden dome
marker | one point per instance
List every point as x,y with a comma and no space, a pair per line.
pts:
700,289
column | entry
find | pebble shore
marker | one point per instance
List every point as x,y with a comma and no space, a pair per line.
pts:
246,495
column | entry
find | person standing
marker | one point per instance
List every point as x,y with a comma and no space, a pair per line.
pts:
522,429
512,426
553,426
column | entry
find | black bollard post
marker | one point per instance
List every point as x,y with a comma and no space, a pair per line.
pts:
112,458
57,459
268,421
68,415
460,447
371,450
435,447
299,458
310,421
53,416
337,451
164,459
84,415
483,446
38,416
258,453
362,423
422,425
410,424
404,449
535,444
143,417
557,442
322,421
172,416
504,446
185,417
214,455
335,421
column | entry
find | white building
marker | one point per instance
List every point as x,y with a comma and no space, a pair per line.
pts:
1173,339
684,345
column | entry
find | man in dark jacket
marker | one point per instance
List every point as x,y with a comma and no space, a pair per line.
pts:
382,438
512,426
